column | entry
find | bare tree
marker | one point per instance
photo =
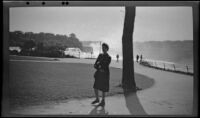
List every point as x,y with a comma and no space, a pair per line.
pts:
128,80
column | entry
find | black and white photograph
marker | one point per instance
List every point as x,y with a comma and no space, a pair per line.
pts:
100,60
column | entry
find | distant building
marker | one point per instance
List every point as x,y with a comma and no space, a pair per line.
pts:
18,49
87,49
72,52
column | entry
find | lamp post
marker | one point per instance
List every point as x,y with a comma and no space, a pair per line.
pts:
91,54
100,48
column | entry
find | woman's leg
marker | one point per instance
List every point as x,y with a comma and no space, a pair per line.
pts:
96,94
103,95
103,99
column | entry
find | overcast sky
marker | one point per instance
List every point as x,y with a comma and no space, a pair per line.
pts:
105,23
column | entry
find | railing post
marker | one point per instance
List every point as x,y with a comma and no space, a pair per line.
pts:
174,67
164,66
187,68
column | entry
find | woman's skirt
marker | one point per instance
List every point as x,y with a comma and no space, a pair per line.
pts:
101,81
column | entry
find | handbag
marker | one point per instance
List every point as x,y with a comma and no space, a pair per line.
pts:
98,72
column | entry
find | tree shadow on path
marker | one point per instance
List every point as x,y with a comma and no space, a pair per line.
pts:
133,103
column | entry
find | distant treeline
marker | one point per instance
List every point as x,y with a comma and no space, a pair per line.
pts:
18,38
43,44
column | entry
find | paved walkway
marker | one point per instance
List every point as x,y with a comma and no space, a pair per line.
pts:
172,94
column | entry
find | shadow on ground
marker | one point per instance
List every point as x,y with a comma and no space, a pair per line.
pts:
133,103
98,110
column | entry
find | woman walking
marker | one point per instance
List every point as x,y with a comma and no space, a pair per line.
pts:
102,75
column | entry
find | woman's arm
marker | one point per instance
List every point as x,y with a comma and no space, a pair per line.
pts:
97,63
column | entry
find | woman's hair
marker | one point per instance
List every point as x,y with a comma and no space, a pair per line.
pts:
105,45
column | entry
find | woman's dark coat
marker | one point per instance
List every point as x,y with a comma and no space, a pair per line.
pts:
102,75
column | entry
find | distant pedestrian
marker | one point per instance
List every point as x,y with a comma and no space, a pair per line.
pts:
140,58
102,75
137,58
117,56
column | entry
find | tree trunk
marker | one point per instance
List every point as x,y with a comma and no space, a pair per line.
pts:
128,80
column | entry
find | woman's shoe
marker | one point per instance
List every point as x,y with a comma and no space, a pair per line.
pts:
95,101
102,103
